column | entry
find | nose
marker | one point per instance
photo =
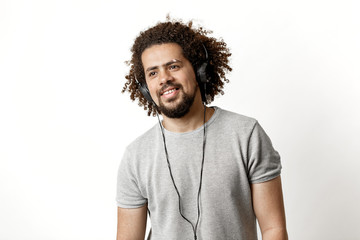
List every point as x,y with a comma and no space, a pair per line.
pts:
165,76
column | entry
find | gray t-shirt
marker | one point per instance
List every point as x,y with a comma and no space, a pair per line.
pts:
238,153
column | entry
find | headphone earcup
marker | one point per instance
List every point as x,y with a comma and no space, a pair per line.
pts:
201,72
145,92
202,80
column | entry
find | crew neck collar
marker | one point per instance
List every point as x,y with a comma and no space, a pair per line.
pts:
207,124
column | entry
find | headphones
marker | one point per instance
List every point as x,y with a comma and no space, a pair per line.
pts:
200,77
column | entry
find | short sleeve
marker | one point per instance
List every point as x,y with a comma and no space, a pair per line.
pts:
263,160
128,193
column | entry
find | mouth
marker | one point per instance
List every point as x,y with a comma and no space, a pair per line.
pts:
169,92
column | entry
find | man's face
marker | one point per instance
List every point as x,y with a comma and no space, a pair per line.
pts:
170,78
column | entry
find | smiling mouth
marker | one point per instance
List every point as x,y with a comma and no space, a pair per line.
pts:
169,91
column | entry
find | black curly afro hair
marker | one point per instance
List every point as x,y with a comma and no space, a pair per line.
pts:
192,41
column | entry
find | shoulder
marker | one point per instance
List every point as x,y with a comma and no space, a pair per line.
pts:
140,150
144,142
235,120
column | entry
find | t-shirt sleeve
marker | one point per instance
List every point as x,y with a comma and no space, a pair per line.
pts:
128,193
264,161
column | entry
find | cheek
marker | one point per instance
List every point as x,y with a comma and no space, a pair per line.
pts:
192,76
152,90
189,79
192,83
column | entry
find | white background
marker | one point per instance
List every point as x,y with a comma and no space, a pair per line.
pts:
64,123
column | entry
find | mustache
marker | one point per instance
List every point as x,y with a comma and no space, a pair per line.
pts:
167,85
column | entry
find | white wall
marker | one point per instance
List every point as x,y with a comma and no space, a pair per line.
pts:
64,123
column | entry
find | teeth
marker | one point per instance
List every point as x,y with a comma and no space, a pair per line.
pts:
170,91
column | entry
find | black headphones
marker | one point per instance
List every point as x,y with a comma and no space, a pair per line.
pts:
200,76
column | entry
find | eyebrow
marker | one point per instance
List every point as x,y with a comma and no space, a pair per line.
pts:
164,65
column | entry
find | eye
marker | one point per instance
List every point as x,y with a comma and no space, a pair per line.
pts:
152,74
173,67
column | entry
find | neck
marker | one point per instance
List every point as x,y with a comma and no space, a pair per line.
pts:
191,121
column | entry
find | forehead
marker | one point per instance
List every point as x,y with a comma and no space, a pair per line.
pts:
160,54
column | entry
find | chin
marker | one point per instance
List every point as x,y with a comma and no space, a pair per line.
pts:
178,111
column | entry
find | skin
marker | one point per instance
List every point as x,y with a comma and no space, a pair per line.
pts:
164,64
131,223
268,206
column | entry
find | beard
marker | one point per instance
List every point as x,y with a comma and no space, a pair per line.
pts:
182,108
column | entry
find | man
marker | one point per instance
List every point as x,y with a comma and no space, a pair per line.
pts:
203,172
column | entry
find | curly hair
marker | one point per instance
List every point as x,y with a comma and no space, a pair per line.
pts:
192,41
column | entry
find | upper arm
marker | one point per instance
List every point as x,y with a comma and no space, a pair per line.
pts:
131,223
269,208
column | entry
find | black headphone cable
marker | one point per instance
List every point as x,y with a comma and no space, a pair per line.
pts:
201,175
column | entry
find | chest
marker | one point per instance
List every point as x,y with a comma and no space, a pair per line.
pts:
224,171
